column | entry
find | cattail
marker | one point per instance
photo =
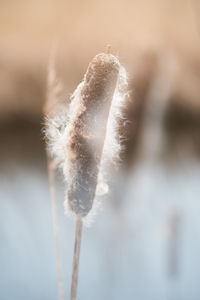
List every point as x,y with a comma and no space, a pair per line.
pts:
87,130
83,138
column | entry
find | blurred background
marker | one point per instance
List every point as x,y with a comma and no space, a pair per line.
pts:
144,242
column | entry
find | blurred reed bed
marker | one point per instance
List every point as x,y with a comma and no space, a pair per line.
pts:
143,31
181,120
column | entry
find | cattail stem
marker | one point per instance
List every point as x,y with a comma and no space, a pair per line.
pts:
75,266
51,170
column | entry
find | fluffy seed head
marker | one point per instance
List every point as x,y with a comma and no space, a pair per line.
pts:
86,131
83,136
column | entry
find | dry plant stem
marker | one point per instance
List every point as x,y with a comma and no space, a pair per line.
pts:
51,177
75,266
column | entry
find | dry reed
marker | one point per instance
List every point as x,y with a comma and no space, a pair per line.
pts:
174,228
83,137
50,107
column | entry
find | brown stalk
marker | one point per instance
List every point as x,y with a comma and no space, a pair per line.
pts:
51,177
75,266
50,108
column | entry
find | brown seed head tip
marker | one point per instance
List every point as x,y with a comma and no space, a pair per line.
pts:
105,59
102,65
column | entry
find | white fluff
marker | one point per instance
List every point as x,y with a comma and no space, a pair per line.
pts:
113,142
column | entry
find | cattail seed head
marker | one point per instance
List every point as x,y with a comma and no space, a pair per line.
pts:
87,130
84,136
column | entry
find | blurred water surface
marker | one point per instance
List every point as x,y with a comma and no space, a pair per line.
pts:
144,242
